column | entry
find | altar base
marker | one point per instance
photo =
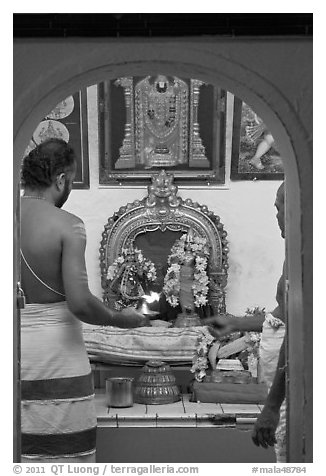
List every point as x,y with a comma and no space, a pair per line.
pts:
187,320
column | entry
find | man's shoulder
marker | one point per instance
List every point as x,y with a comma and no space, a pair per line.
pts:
69,220
73,218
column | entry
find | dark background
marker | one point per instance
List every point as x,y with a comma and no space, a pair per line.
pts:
161,24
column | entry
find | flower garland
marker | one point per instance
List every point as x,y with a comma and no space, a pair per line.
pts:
255,337
200,250
131,264
200,360
251,354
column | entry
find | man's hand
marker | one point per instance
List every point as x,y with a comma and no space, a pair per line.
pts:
130,318
220,325
265,427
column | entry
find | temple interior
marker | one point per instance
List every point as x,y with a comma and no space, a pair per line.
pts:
168,155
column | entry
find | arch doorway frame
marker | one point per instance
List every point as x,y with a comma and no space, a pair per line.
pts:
95,60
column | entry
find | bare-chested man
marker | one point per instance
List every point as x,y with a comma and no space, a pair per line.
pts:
270,427
58,414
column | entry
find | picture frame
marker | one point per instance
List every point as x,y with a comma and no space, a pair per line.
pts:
254,152
68,121
126,121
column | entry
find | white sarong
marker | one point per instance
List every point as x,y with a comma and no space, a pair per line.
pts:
270,344
58,418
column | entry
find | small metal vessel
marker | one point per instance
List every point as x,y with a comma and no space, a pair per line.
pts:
119,392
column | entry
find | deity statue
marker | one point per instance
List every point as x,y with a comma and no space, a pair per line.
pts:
126,279
161,112
186,296
188,317
129,277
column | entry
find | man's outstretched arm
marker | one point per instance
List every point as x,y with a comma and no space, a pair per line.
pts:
81,302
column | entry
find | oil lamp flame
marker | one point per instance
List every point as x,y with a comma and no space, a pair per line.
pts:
145,300
152,297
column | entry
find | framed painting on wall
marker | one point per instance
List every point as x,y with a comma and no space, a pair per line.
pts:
161,122
68,121
255,155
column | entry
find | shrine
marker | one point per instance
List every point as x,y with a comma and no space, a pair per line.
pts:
180,150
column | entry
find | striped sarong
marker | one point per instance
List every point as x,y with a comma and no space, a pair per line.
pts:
58,418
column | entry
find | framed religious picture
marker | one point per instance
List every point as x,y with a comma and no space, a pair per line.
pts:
68,121
161,122
255,155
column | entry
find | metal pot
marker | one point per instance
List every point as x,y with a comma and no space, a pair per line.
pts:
119,392
156,385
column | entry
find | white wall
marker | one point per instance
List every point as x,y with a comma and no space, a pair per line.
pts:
246,209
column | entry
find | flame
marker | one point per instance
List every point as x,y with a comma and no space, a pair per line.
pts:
152,297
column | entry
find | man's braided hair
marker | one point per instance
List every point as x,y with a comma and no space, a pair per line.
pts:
44,163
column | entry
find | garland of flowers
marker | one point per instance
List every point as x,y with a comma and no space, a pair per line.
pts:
200,360
255,337
200,250
132,262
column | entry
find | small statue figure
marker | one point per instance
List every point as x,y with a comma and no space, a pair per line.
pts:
188,317
130,286
129,276
186,282
187,278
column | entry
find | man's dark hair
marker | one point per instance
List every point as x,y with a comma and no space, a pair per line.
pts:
49,159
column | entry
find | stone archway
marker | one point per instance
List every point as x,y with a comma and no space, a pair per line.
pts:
45,76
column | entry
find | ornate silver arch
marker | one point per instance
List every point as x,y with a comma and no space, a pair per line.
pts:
162,209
